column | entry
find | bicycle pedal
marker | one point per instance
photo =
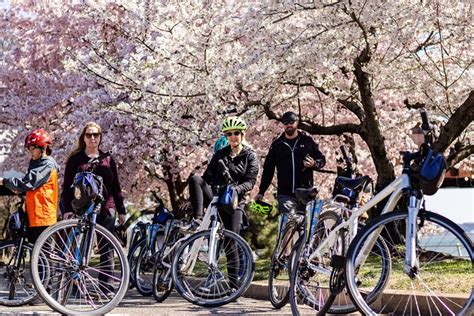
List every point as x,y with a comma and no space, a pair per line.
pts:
338,262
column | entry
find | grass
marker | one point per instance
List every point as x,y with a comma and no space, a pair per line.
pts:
447,276
457,280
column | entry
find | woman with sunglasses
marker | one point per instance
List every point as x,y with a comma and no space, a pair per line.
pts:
242,163
40,184
89,147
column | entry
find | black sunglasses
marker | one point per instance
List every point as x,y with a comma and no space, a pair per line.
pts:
236,133
89,135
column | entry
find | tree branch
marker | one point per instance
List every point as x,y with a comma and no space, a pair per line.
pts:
460,155
316,129
457,123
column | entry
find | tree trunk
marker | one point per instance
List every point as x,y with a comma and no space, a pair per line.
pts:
371,133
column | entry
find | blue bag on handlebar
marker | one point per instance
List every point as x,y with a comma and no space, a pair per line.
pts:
162,216
432,171
229,199
87,187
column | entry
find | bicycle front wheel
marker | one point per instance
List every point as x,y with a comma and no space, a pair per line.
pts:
442,281
279,274
16,285
213,279
162,283
80,283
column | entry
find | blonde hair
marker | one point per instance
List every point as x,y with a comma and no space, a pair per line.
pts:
81,144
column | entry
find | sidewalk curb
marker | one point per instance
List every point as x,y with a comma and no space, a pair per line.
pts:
258,291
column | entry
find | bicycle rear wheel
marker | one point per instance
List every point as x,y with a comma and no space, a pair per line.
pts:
213,285
441,284
78,286
279,274
16,285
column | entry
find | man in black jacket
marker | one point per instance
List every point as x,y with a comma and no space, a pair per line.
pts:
295,156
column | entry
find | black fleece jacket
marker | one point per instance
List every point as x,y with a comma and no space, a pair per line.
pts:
243,169
288,161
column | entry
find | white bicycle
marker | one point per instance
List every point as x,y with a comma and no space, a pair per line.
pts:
429,269
215,266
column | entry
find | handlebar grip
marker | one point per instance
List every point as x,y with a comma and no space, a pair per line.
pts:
424,118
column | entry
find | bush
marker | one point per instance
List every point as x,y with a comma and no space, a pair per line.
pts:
262,231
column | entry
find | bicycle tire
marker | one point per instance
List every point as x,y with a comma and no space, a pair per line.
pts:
162,279
22,285
133,256
435,260
312,280
279,274
144,265
297,292
62,244
213,288
162,288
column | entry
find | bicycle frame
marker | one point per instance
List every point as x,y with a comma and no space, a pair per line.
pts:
210,218
394,190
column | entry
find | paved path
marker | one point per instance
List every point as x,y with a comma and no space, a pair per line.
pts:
135,304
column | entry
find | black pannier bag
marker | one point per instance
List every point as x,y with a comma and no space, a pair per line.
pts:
432,172
87,187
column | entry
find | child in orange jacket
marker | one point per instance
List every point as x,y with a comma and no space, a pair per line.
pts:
40,184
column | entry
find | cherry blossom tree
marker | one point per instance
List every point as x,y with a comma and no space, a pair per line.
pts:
160,76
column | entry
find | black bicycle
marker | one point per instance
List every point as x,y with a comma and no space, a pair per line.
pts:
16,285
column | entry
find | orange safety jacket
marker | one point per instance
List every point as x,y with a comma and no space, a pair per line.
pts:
41,187
42,203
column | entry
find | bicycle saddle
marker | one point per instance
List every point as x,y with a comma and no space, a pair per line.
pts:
356,184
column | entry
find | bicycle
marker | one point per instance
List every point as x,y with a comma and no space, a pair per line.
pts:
198,271
290,228
162,232
432,258
314,275
88,270
16,286
174,231
143,241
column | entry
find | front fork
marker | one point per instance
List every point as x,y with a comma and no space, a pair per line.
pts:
213,238
88,244
411,261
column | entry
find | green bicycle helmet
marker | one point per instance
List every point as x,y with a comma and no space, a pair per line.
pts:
261,207
220,143
233,123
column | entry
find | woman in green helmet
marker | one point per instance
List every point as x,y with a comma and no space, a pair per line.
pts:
242,164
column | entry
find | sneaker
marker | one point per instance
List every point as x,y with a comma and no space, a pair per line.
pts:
212,280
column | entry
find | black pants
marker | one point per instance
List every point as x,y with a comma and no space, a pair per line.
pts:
106,253
233,223
200,194
34,232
